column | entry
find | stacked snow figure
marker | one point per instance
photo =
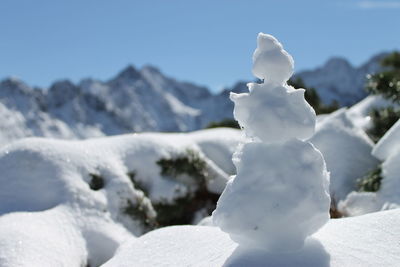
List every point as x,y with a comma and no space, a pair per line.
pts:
279,196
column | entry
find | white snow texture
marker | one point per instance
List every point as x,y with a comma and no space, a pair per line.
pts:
369,240
51,215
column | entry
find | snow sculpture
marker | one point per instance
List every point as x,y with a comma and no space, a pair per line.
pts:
279,196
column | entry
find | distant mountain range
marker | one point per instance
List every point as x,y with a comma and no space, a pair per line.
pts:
138,100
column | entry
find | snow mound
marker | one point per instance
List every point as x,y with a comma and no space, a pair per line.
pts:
58,237
274,113
360,203
85,197
347,152
259,209
357,241
387,197
389,144
390,185
218,145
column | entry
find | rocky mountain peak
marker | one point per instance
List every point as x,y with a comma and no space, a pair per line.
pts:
130,73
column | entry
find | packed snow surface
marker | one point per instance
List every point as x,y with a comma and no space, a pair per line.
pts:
368,240
61,236
275,201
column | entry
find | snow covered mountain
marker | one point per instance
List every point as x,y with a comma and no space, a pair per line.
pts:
138,100
133,101
337,80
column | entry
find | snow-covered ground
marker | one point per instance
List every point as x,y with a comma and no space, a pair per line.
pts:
78,200
369,240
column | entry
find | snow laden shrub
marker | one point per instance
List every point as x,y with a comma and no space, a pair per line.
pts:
187,168
386,84
382,120
279,196
189,163
141,209
190,169
138,183
229,123
371,182
143,212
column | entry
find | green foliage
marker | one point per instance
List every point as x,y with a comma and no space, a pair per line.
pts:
188,163
370,182
313,98
392,61
182,210
230,123
387,82
382,120
139,212
96,182
137,183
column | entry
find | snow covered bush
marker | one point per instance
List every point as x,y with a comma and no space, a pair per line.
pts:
190,169
387,82
372,181
383,183
280,178
347,152
381,121
72,203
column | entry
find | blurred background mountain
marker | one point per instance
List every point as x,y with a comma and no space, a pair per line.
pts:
138,100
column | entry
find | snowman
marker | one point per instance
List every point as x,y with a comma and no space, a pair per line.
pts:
279,195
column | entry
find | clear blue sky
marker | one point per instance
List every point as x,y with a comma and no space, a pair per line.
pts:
209,42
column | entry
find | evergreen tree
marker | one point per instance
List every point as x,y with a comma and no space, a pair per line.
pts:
386,84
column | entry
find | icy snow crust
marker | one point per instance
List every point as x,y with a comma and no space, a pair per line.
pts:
49,215
280,193
369,240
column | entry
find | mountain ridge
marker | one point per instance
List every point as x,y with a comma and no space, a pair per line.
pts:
137,100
